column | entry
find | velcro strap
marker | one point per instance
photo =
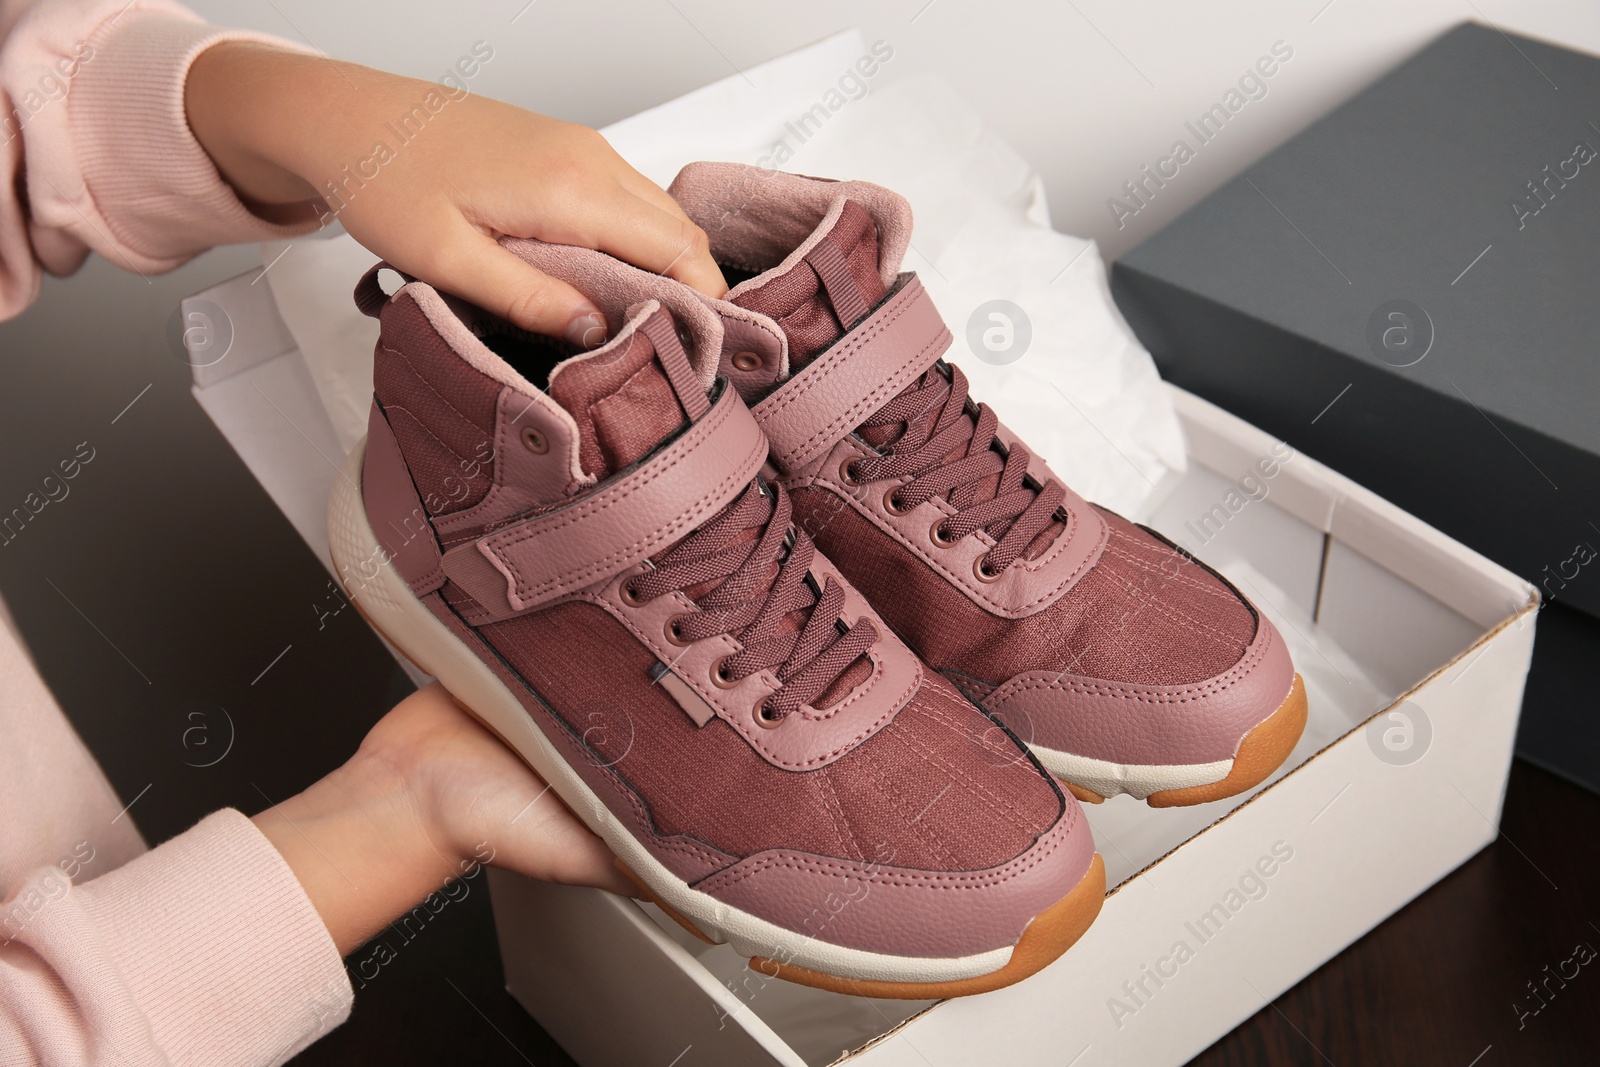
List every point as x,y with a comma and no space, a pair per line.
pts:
636,516
887,351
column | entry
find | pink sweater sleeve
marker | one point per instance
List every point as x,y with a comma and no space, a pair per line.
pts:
97,144
204,951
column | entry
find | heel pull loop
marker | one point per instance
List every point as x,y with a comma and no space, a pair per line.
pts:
369,295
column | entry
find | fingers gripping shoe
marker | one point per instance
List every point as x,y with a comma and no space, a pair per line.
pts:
1125,663
596,571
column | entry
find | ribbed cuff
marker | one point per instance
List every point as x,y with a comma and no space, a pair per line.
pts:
220,946
154,191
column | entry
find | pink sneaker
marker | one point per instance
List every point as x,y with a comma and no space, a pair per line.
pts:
597,571
1127,665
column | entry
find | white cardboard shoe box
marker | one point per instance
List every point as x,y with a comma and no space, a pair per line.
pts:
1414,650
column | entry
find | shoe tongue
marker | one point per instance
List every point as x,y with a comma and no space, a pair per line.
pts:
822,289
629,395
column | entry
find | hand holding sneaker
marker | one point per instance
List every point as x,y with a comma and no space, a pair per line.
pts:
429,795
429,176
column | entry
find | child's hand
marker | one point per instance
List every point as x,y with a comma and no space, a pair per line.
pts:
430,794
286,128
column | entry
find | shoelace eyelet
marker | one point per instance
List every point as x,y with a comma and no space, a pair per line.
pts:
746,361
630,595
847,473
893,506
720,677
764,717
675,633
534,441
985,575
939,535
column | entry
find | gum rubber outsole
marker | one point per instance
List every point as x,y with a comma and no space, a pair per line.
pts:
1047,937
1050,934
1262,751
646,893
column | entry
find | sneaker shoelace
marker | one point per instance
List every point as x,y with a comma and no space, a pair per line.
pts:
747,572
955,455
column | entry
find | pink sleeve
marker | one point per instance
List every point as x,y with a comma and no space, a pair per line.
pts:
203,951
98,144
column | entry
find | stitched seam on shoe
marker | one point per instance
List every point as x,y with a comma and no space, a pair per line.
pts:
844,352
944,880
1178,613
955,678
738,723
830,804
865,732
668,533
429,386
624,787
976,596
992,800
1191,583
858,693
895,706
851,417
977,789
401,409
1179,695
922,832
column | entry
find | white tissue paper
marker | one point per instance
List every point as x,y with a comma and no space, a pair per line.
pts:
1083,392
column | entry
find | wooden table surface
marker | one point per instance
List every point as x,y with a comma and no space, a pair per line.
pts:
167,582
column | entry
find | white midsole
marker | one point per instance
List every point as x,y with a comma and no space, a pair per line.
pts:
1136,779
409,624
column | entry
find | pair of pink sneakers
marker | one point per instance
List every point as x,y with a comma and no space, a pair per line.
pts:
796,626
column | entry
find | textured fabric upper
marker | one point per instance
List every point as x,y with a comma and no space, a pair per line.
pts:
1144,614
623,407
442,410
941,787
795,300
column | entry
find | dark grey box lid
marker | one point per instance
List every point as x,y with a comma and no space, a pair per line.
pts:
1407,193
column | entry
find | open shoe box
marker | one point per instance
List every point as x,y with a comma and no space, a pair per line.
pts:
1414,650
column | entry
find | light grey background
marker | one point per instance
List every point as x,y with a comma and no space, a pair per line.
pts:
1088,90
